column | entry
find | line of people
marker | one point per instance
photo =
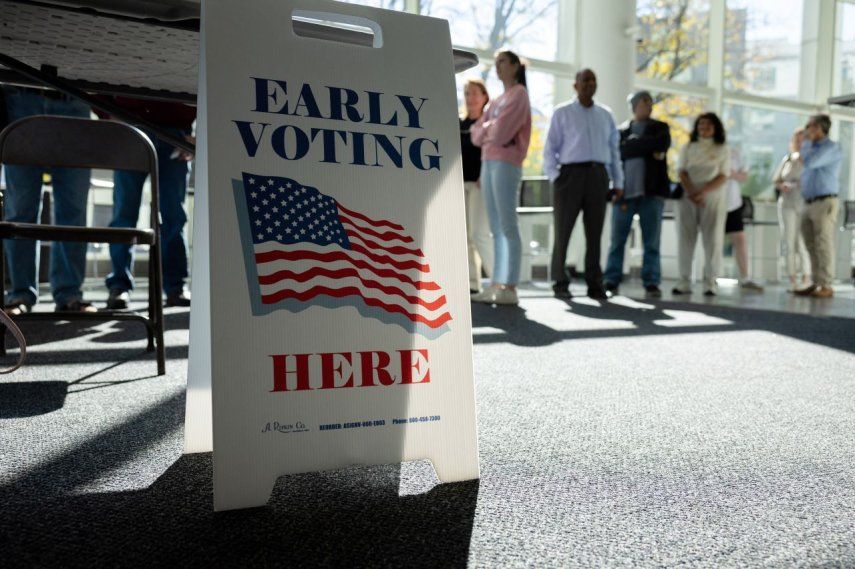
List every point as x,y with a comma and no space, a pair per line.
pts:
590,161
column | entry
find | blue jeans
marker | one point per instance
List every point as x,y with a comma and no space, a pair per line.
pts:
127,197
23,201
500,182
649,210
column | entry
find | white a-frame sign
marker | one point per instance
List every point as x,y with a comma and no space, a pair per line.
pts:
330,322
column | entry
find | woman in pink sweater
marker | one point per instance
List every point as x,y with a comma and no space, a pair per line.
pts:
503,133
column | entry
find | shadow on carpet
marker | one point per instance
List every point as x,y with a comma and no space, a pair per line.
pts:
519,329
344,518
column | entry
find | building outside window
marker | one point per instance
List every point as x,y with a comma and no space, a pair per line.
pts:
762,138
844,47
763,41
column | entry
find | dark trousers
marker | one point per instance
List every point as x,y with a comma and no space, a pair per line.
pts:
579,188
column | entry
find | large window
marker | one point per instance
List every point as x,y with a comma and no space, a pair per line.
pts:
528,27
844,68
846,137
679,111
761,137
387,4
763,47
672,40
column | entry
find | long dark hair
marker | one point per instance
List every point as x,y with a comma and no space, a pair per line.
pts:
719,136
516,60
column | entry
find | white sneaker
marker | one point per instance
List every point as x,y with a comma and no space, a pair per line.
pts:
506,296
486,296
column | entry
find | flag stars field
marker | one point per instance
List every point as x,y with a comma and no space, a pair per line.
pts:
331,251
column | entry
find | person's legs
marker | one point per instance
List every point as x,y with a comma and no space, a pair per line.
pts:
593,217
68,258
471,196
650,219
713,214
566,204
787,222
809,235
127,196
481,237
506,198
489,182
172,176
687,236
22,204
825,221
740,253
622,214
802,260
71,190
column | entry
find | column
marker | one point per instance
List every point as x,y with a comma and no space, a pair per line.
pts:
605,32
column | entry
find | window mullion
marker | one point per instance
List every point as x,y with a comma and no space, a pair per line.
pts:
715,53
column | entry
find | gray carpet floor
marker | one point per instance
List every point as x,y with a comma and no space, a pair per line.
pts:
619,434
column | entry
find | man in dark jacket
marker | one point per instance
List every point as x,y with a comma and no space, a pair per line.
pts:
643,144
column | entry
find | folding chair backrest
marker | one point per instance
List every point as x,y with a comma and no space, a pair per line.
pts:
51,141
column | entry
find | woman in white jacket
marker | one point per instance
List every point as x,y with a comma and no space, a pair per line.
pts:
704,166
787,180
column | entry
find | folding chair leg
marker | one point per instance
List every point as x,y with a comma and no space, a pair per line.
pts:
161,355
156,306
2,276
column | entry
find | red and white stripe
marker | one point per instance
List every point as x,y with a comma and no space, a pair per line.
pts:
383,267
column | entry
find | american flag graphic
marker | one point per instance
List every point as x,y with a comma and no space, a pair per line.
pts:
309,249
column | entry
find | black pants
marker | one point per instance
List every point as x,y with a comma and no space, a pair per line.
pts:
579,188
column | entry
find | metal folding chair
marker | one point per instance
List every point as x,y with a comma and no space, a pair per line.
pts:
50,141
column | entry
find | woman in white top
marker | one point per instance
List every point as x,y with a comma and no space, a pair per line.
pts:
787,179
704,166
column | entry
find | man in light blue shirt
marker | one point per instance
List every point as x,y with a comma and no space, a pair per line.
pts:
581,156
821,158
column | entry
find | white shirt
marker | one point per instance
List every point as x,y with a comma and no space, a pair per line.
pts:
734,188
704,160
790,172
583,134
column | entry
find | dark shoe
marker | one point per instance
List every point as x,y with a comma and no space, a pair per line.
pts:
561,290
822,292
597,293
76,305
611,287
807,291
118,299
653,291
709,293
678,291
178,299
17,307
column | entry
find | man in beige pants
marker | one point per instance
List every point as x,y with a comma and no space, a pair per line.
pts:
820,183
